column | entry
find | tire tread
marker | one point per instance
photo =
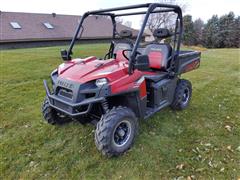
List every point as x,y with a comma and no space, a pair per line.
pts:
104,126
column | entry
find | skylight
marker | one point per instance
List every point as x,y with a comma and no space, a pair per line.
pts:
48,25
15,25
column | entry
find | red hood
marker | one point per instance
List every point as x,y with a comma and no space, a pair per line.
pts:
84,70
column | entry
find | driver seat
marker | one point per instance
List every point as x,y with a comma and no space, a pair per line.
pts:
159,53
123,44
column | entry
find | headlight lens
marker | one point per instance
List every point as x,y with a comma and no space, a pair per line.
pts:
101,82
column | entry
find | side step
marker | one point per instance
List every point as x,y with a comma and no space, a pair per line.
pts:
151,111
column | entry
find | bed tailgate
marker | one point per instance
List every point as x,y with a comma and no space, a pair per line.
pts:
188,61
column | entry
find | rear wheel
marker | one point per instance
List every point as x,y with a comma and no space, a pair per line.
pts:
116,131
51,115
183,94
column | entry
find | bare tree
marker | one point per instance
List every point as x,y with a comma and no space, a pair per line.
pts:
198,26
166,20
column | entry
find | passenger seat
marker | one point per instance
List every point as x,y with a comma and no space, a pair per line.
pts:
123,44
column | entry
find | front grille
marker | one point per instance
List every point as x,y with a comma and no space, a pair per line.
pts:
90,95
62,106
65,93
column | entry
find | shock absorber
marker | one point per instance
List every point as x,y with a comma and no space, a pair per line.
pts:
105,106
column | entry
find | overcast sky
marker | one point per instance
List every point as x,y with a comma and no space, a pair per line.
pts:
203,9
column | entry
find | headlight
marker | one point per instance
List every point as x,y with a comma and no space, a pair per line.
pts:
101,82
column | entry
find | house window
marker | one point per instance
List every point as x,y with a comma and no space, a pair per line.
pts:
48,25
15,25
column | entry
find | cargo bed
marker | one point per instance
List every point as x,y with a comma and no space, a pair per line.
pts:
188,61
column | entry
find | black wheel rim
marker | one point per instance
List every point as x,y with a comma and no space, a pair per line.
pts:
185,97
122,133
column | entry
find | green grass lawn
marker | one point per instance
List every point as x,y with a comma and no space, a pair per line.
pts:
202,142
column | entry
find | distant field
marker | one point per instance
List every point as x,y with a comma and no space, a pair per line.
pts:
202,142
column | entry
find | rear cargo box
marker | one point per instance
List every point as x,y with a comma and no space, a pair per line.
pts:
188,61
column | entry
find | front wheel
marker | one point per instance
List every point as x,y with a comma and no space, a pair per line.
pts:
51,115
183,94
116,131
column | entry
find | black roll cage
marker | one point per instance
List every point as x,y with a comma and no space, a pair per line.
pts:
151,9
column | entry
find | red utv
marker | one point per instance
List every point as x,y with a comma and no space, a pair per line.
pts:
133,82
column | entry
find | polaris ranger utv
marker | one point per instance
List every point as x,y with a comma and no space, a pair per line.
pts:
132,82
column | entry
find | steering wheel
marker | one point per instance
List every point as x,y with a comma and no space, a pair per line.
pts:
125,50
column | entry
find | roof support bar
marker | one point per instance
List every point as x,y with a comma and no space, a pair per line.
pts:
150,9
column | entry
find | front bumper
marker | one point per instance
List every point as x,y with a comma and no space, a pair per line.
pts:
69,108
